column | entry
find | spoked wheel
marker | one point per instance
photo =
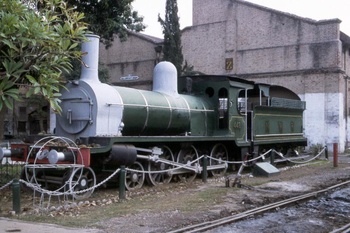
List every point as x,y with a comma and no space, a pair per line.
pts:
218,155
292,153
42,179
81,179
161,177
249,160
134,180
44,170
186,156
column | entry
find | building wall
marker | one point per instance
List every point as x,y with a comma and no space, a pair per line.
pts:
134,57
203,48
258,39
274,47
209,11
346,60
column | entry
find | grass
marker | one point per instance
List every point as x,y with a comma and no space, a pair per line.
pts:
154,202
167,198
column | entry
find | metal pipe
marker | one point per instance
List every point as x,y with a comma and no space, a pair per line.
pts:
55,156
90,49
217,166
205,172
16,200
4,153
272,157
335,154
246,113
260,97
184,167
7,153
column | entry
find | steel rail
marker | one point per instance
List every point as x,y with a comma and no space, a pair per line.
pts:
226,220
343,229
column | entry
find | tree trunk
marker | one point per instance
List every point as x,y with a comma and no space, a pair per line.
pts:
2,122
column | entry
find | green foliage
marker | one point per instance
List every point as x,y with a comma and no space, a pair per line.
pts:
172,49
37,45
109,17
103,73
189,70
315,149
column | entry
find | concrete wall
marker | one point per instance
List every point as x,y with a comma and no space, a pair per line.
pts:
274,47
259,39
136,57
203,48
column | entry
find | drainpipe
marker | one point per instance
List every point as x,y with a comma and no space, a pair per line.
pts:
346,77
346,107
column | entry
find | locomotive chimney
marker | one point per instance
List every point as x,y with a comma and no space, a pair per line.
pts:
165,78
89,70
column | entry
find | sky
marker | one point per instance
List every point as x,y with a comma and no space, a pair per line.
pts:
313,9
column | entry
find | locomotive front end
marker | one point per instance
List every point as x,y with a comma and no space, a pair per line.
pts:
90,108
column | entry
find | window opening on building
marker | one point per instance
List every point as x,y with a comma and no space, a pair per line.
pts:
22,110
22,126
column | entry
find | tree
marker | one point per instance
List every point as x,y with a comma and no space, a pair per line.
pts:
172,49
37,45
103,74
108,17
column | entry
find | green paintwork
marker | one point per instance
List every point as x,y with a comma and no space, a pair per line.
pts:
193,116
153,113
202,116
272,124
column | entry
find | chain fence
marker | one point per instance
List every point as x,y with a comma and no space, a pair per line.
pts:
9,170
12,170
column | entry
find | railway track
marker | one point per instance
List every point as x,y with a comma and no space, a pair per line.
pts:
230,219
344,229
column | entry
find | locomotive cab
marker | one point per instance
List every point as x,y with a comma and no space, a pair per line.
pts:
222,92
247,100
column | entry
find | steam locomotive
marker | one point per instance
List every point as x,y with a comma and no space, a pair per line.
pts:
162,131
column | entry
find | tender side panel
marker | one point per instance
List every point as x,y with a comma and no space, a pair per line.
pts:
274,124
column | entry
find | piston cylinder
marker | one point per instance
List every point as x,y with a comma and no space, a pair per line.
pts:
122,154
7,153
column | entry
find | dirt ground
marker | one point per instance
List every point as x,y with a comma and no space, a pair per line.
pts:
169,207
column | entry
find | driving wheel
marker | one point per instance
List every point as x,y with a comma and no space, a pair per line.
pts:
186,156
